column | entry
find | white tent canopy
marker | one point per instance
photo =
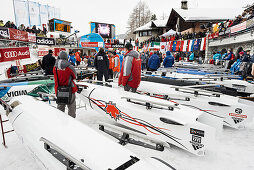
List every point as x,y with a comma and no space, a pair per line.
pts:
170,32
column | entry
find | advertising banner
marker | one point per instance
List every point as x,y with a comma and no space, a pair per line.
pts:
51,12
44,15
117,45
4,33
34,13
21,12
238,27
45,41
31,37
12,54
91,40
18,35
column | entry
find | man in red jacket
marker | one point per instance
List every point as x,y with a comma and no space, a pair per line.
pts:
66,72
130,75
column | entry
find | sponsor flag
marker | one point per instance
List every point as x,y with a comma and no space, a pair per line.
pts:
185,45
174,45
203,44
44,15
12,54
181,46
34,13
197,44
51,12
4,33
21,12
187,49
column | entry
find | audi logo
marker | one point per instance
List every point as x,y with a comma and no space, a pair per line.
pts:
10,54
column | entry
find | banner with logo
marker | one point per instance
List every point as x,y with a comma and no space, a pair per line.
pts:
31,37
238,27
18,35
44,14
51,12
4,33
45,41
12,54
21,12
92,40
163,47
34,13
117,45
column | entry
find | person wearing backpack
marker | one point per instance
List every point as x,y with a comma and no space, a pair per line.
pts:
64,75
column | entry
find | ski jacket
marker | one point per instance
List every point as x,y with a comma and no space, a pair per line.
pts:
48,63
230,56
65,72
245,58
191,57
121,60
101,61
217,57
154,62
77,56
131,70
116,64
111,63
168,60
143,58
72,59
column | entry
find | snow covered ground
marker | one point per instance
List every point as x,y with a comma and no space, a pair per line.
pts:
233,150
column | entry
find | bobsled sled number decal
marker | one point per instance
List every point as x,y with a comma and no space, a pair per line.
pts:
197,138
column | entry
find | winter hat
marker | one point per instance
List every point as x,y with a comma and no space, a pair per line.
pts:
241,53
50,52
63,55
129,46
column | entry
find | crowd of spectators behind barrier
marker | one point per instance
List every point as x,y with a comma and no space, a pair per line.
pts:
37,31
246,15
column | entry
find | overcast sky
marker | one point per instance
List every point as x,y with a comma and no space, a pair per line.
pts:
81,12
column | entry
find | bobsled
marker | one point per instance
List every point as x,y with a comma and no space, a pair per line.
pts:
58,142
161,120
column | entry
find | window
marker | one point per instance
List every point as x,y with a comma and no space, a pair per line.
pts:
150,33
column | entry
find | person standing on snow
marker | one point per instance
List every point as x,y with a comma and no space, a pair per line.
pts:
143,61
130,75
78,58
153,62
72,58
101,64
48,63
111,64
116,68
64,73
168,60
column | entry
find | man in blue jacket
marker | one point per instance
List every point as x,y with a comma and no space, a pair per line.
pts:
168,60
154,62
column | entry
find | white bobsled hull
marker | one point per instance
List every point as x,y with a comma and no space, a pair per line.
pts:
151,117
235,112
36,122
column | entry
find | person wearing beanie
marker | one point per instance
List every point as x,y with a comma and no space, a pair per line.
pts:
130,75
48,62
101,63
64,73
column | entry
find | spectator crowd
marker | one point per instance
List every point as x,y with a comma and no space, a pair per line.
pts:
39,32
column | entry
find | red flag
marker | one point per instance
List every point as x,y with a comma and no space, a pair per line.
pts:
178,45
170,45
182,44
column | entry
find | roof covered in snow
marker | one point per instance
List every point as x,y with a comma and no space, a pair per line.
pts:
208,14
152,25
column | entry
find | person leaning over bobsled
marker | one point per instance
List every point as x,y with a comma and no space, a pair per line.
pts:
168,60
130,75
